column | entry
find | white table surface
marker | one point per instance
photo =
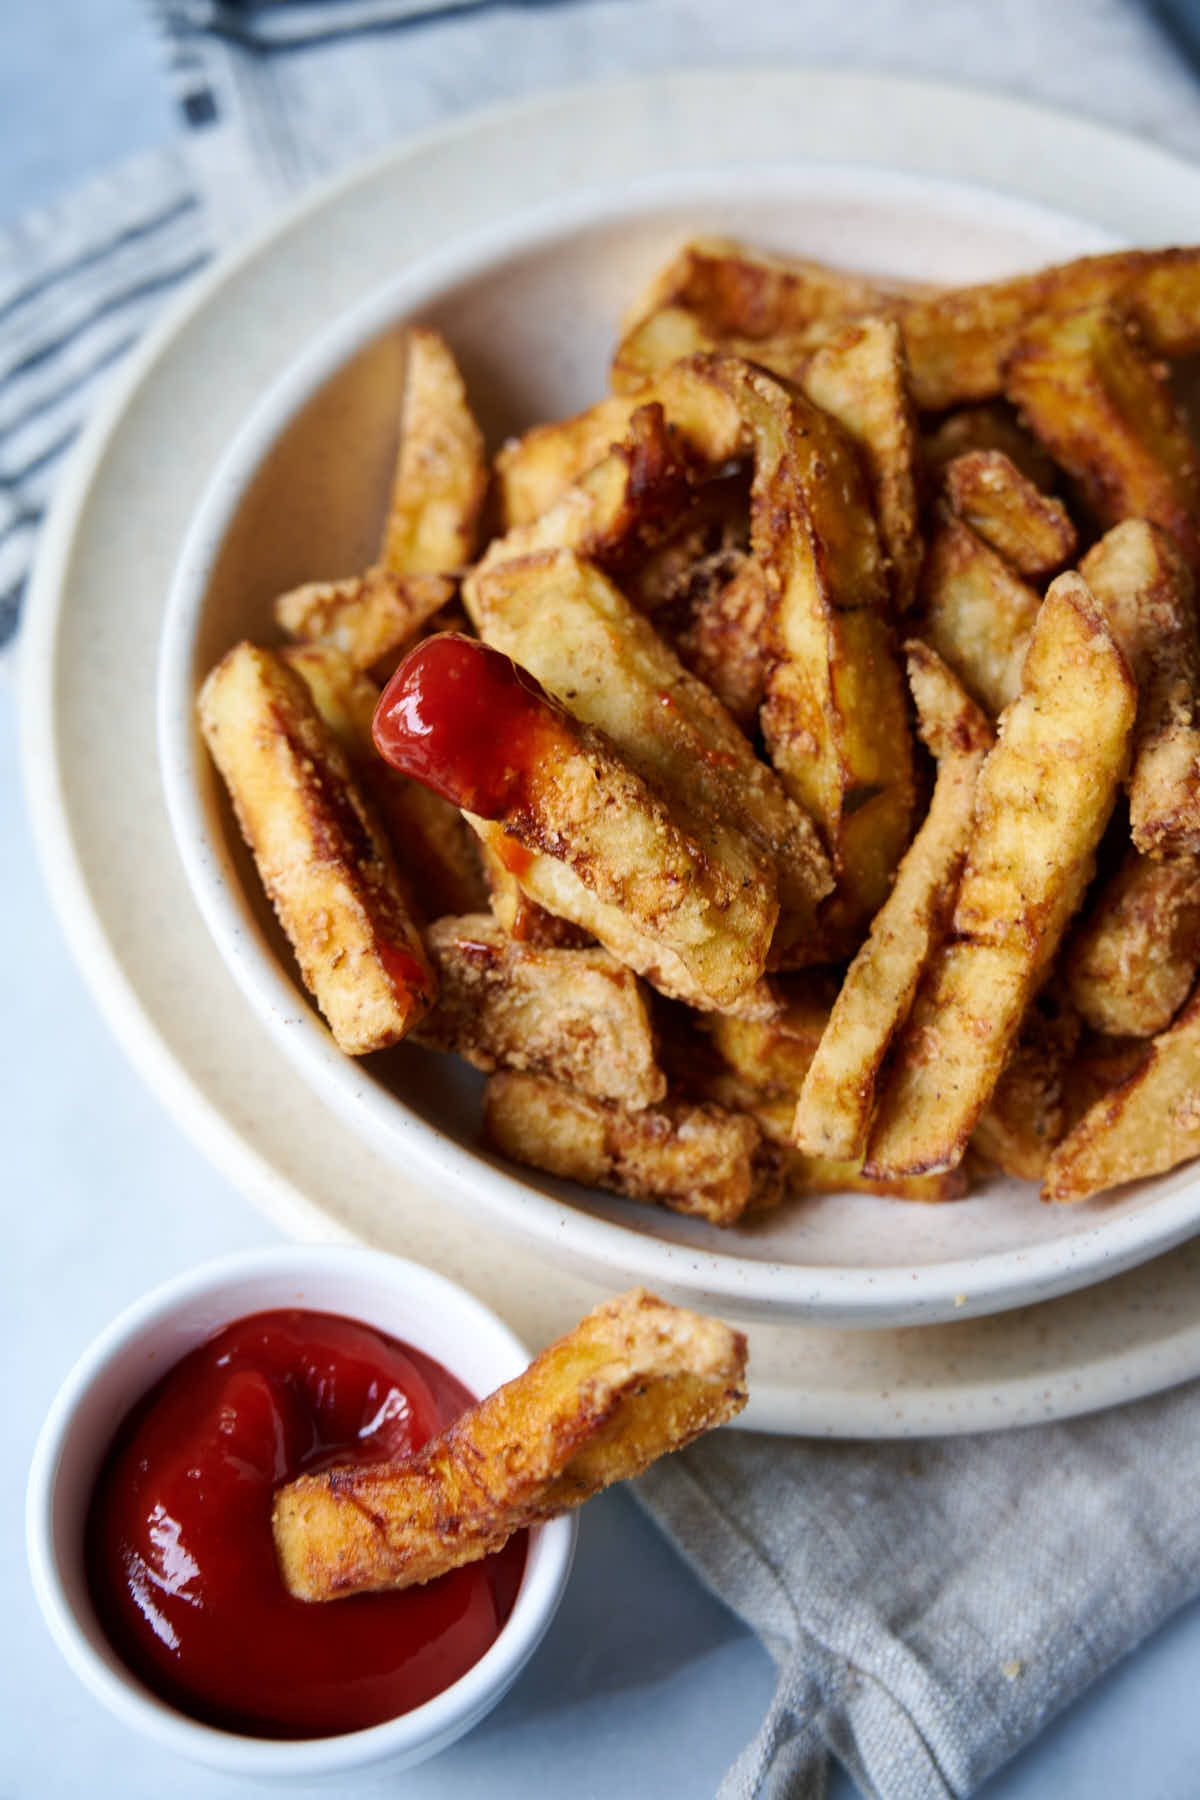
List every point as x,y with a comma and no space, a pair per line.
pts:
645,1685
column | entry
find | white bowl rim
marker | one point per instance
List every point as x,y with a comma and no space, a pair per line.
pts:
410,1736
863,1296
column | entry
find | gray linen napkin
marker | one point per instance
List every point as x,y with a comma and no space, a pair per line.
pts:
930,1605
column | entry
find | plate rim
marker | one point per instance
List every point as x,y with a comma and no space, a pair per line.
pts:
66,876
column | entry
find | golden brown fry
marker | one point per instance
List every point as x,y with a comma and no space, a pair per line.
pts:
834,718
1099,1065
1146,591
615,509
433,845
772,1055
959,340
563,620
441,474
1042,800
1149,1123
319,850
576,1015
993,426
838,1095
1026,1115
662,337
1087,387
534,470
1132,960
860,378
371,618
633,1381
976,613
694,1158
1029,529
516,913
741,291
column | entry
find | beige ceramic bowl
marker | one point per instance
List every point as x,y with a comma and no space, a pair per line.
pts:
530,306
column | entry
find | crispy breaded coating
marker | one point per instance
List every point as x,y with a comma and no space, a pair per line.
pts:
441,472
371,617
1027,1113
860,377
739,290
615,510
959,341
837,1099
694,1158
1147,594
319,850
1042,800
536,469
1133,958
1087,386
434,847
562,619
992,426
1032,531
577,1015
976,613
633,1381
1147,1124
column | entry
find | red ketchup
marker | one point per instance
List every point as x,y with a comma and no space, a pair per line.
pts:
181,1560
466,721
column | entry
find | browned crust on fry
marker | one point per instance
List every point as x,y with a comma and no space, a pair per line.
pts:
320,852
1027,1113
371,617
571,627
1032,531
837,1099
693,1158
441,471
860,377
635,1380
1147,594
1088,388
1133,958
576,1015
1042,800
976,613
434,848
959,341
1148,1123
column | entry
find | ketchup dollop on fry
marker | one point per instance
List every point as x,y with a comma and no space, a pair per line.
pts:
181,1559
468,722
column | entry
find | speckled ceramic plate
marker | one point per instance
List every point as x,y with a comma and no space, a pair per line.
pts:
319,1165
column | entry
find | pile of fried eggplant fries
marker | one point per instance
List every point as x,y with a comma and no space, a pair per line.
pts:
871,857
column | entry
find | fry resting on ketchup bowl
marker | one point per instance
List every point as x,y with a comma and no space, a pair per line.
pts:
635,1379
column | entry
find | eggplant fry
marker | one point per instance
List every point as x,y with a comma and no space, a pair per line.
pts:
1144,1126
635,1380
578,1016
320,851
837,1100
441,473
1146,591
1042,801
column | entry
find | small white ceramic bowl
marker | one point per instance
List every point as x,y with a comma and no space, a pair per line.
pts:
401,1298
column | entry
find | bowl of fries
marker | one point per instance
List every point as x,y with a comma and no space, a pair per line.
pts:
844,859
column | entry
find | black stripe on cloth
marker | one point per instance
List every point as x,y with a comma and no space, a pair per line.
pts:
268,29
154,284
138,232
78,378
